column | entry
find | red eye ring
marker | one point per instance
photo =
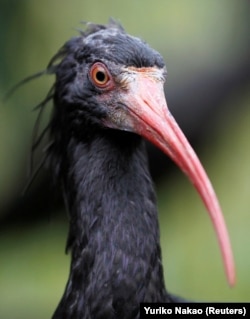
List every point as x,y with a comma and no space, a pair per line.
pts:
100,75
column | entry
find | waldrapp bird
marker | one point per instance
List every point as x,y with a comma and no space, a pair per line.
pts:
107,97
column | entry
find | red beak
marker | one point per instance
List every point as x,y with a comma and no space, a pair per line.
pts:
150,117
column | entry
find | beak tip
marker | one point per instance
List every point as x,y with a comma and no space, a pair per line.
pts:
231,277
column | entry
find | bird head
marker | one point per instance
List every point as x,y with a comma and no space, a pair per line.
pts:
115,81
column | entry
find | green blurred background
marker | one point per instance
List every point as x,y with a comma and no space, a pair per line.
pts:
206,47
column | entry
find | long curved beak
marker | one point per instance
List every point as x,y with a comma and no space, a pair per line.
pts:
150,117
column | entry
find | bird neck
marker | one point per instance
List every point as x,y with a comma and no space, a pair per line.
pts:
114,233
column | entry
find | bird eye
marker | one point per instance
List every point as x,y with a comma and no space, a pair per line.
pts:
100,75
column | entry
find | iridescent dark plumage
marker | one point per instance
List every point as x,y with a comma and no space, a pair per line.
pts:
108,94
106,182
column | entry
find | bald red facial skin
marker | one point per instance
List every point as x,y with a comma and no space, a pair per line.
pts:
145,112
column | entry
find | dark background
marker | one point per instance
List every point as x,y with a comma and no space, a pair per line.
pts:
206,47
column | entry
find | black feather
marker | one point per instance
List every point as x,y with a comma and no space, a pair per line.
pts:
113,232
